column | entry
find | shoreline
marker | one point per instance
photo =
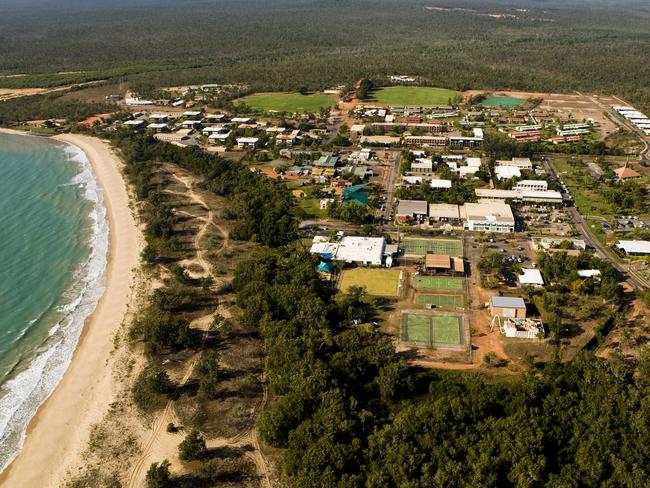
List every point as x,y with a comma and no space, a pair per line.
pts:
59,430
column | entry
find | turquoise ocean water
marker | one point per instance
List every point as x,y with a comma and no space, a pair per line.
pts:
53,248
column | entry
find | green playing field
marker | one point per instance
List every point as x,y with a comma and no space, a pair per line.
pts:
440,300
414,95
442,282
420,247
502,101
432,329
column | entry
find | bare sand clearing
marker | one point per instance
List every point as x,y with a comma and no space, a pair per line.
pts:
59,432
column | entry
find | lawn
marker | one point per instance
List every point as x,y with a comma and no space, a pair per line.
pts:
413,95
420,247
379,282
501,101
312,209
440,300
289,102
432,329
584,188
442,282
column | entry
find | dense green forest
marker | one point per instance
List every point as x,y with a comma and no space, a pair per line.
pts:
350,413
285,44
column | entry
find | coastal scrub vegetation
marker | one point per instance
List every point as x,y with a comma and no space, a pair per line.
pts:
263,212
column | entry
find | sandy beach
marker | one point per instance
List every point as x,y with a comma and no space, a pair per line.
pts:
59,431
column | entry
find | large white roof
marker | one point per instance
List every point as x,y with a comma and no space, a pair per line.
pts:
506,172
635,247
351,248
531,277
435,183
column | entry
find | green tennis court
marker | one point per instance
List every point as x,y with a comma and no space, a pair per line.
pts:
430,330
443,282
420,247
440,300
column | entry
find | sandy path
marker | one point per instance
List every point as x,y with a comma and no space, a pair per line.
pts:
59,432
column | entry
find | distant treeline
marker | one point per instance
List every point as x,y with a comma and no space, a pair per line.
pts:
351,413
264,208
50,106
286,44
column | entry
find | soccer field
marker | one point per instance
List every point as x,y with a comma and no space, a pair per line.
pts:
380,282
442,282
289,102
432,329
502,101
420,247
414,95
440,300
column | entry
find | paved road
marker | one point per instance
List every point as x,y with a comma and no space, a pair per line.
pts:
632,278
393,170
645,153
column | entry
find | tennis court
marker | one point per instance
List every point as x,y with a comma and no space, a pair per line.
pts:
420,247
440,300
442,282
431,330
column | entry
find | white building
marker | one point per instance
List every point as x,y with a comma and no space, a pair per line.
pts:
490,216
474,162
443,212
244,142
412,209
589,273
219,137
532,185
521,163
635,248
507,172
444,184
422,166
530,277
364,250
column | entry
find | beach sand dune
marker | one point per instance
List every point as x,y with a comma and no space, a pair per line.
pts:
59,431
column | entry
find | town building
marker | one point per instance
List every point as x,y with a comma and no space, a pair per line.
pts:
534,185
635,248
422,166
444,212
521,163
513,307
440,184
351,249
489,216
507,172
247,142
412,210
530,277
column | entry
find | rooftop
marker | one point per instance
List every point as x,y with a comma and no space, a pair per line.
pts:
439,261
531,277
635,247
508,302
412,207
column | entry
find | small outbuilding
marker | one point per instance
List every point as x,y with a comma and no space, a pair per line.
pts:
513,307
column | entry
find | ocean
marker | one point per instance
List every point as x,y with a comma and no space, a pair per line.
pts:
53,251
